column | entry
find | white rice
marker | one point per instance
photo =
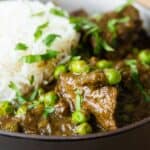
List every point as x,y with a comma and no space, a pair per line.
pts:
19,25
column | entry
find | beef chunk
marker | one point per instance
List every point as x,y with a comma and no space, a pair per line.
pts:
126,33
99,99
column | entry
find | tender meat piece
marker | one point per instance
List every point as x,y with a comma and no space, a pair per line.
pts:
124,30
58,123
126,33
99,99
9,124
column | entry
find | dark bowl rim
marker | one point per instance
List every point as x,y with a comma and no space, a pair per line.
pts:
77,138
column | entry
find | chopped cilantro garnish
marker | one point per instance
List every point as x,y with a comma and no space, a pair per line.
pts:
39,31
93,30
48,111
19,96
21,47
58,12
33,95
112,24
79,100
49,39
120,8
31,80
41,57
135,76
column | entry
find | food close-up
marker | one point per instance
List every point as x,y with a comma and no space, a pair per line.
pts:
69,74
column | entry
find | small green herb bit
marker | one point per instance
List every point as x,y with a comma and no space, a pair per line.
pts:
79,100
135,76
49,39
58,12
32,79
40,13
21,47
48,111
19,96
39,31
112,23
59,70
41,57
93,30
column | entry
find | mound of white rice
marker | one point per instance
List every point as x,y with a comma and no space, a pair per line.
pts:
19,22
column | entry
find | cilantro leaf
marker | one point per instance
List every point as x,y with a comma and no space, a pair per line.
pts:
31,80
113,22
19,96
39,31
58,12
49,39
48,111
41,57
93,30
21,47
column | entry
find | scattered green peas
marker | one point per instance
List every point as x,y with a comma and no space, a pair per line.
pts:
59,70
113,76
6,108
144,56
22,110
50,99
79,117
83,129
79,66
103,64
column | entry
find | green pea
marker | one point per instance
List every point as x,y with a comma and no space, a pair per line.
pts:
79,66
59,70
50,99
144,57
79,117
22,110
113,76
83,129
103,64
6,108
